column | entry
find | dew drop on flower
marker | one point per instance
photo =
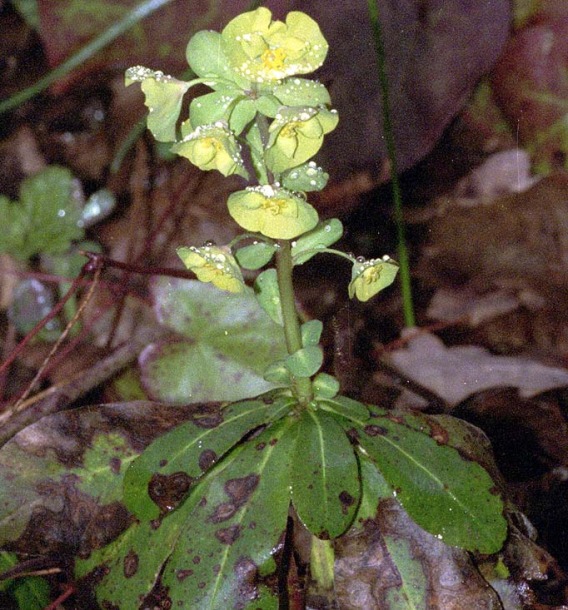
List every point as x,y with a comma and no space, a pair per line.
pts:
327,228
360,259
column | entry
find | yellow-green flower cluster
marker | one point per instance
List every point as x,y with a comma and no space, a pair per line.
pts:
370,277
212,147
213,264
296,135
272,211
262,50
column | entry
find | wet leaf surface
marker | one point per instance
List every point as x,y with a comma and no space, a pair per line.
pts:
325,475
193,448
233,341
61,478
219,544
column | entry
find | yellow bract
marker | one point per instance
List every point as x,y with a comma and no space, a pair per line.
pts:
370,277
213,264
262,50
274,212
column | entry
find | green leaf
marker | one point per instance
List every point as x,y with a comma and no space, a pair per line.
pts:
305,362
306,177
163,98
255,255
30,592
254,142
206,58
212,107
449,496
345,407
268,294
311,332
324,235
46,218
278,373
225,337
195,446
230,538
242,115
325,477
302,92
268,105
325,386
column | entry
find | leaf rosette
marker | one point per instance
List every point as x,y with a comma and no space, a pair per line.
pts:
262,50
370,277
211,147
213,264
274,212
296,135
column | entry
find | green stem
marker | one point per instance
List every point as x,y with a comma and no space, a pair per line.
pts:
403,258
322,559
302,386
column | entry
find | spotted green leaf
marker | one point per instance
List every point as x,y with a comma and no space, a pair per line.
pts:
448,495
195,446
325,476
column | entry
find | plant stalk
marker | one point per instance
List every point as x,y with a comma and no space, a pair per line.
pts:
302,385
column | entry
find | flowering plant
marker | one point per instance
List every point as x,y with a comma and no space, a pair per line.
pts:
240,465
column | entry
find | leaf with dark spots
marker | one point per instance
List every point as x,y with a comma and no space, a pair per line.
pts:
228,535
188,448
324,474
207,459
447,495
168,556
167,491
256,489
61,478
130,564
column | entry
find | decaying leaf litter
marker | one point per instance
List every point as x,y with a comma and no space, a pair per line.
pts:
510,277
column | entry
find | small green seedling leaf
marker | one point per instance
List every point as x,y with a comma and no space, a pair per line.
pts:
163,98
325,386
45,220
323,236
255,255
268,295
449,496
193,448
325,476
305,362
306,177
311,332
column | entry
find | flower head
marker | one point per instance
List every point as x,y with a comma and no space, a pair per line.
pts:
370,277
297,134
262,50
213,264
212,147
274,212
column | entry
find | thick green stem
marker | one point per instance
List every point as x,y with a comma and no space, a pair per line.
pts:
302,386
